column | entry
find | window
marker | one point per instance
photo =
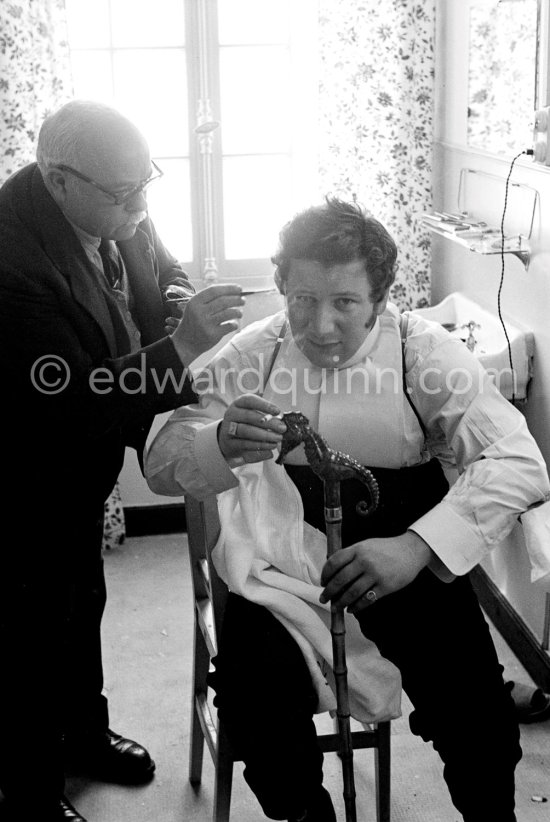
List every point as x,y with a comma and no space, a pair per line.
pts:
225,92
502,79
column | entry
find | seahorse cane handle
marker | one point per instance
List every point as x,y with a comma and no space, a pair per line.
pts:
330,465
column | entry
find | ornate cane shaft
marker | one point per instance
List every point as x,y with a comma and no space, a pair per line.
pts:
333,521
332,467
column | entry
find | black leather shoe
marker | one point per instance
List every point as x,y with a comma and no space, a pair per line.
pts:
110,757
319,809
23,811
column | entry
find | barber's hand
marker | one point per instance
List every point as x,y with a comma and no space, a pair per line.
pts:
208,316
380,565
245,434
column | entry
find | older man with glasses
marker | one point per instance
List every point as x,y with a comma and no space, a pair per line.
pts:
88,358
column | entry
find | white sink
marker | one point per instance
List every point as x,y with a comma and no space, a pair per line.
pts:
490,347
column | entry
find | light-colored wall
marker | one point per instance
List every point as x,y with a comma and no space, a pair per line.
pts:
133,488
525,294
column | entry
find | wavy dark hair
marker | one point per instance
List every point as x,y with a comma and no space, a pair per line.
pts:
338,232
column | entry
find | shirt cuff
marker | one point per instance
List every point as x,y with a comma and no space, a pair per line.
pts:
536,529
451,539
211,461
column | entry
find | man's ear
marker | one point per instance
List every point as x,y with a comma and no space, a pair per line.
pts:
279,282
380,306
55,181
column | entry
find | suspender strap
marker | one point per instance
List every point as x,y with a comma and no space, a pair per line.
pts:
404,325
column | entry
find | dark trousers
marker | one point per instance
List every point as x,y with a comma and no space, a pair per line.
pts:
50,616
434,632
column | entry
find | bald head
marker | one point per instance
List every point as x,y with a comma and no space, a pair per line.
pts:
87,135
88,153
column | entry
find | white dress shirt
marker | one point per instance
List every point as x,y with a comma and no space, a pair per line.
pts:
361,409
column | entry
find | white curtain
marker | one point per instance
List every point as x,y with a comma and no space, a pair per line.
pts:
376,129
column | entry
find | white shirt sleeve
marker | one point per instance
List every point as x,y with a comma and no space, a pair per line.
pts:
501,470
185,455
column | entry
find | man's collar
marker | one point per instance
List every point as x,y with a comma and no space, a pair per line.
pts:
366,346
83,236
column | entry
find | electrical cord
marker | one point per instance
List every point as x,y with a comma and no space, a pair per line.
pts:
529,152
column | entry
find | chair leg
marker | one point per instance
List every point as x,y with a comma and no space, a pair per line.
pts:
196,750
200,670
382,764
224,778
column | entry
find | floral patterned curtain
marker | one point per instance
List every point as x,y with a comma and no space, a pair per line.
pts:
34,75
376,108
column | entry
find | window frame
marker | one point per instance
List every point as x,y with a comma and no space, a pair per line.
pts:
205,149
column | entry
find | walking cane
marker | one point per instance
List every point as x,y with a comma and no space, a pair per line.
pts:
333,467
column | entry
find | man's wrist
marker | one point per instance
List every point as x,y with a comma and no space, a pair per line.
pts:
185,352
435,563
420,550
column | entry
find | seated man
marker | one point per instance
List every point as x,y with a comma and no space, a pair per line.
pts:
402,397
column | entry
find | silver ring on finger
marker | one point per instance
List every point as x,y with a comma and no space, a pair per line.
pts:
232,429
371,596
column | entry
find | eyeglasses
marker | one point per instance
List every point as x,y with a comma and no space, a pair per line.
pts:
119,197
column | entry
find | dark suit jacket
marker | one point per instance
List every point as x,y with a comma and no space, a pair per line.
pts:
65,448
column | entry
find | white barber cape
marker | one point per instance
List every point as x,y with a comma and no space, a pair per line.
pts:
275,560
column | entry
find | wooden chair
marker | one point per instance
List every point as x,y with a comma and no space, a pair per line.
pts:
210,595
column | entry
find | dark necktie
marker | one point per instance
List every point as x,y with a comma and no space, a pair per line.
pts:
111,266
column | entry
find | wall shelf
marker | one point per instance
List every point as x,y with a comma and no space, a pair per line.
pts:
478,228
489,244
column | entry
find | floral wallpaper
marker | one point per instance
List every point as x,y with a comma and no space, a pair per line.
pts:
501,76
376,122
114,528
34,75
